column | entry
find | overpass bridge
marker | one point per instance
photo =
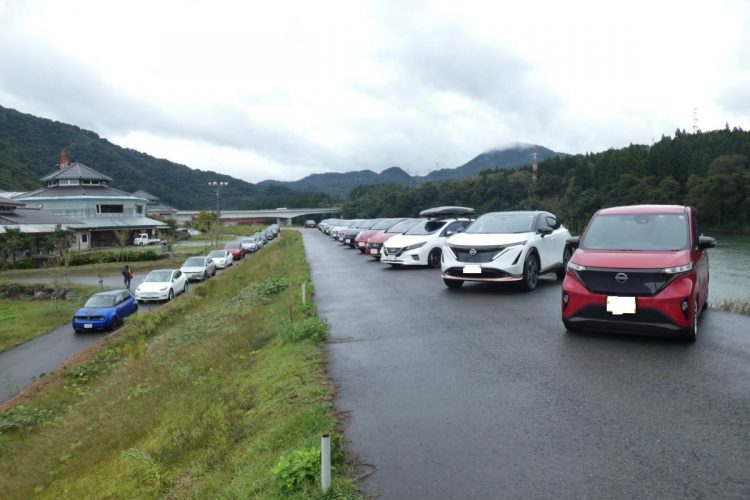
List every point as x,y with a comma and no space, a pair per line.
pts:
282,216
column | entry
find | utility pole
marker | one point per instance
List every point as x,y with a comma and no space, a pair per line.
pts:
218,185
534,166
695,120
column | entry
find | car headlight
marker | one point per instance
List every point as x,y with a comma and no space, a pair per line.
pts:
414,246
164,289
678,269
575,267
508,249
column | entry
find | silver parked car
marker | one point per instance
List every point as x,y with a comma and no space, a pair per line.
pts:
199,268
249,244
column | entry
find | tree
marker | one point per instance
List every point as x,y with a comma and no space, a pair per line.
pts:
11,241
122,236
57,245
168,234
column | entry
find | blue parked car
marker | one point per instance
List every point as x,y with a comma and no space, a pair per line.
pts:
104,311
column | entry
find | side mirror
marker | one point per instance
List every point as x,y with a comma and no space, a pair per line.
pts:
460,229
706,242
573,242
448,233
545,230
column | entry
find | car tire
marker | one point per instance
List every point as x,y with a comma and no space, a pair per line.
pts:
454,284
185,288
433,258
171,295
560,273
691,334
530,272
116,323
205,275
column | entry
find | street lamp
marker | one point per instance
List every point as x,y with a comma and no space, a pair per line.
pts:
218,185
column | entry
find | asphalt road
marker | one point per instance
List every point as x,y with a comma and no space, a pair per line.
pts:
21,365
480,392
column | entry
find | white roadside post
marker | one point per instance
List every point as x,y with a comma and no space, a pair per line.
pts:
325,462
304,293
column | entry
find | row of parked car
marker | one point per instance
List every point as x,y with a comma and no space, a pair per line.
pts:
107,310
637,269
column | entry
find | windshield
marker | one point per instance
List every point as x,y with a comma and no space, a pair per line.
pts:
369,224
404,225
426,227
217,254
384,224
159,276
100,301
502,223
195,262
637,232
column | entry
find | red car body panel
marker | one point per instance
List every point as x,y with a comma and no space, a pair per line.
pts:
663,312
237,253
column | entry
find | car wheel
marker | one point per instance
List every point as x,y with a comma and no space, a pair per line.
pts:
691,334
530,272
184,288
453,283
213,273
560,273
205,275
171,295
116,323
433,258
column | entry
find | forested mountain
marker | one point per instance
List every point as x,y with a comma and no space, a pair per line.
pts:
30,147
511,157
341,184
709,170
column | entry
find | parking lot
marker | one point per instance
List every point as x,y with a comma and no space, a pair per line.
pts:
480,392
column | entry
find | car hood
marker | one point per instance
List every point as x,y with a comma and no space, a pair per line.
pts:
93,311
193,269
486,240
404,240
152,286
630,260
381,237
367,234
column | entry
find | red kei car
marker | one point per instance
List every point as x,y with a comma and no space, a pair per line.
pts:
638,269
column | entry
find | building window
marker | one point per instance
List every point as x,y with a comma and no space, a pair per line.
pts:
109,209
84,237
139,209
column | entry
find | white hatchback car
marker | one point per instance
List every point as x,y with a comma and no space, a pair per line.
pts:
161,284
222,258
507,246
422,244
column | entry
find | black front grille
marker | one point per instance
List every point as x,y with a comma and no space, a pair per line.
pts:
475,254
89,318
458,272
374,245
632,282
394,251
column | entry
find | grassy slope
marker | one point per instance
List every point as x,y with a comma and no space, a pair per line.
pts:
22,320
193,400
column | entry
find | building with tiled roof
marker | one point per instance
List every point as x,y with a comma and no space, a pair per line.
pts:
155,206
79,192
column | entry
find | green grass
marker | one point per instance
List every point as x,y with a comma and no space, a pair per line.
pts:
25,319
191,400
738,306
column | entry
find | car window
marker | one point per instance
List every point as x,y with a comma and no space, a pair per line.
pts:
502,223
426,227
453,227
159,276
177,274
404,225
655,232
100,301
194,262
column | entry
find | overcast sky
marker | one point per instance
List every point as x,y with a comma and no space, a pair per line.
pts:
280,90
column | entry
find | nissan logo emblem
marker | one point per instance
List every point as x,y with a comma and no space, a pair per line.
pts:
473,251
621,278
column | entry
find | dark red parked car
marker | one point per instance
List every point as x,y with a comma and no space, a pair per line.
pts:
236,249
638,269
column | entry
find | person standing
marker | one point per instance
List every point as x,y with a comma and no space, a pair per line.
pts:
127,275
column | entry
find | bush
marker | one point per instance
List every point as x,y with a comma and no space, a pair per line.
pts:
21,416
25,263
81,259
314,329
300,468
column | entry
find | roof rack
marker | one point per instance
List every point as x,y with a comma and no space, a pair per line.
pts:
443,212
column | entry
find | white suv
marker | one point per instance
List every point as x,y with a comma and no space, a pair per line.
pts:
422,245
507,246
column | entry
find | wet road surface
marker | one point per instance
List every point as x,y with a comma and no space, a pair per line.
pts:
480,393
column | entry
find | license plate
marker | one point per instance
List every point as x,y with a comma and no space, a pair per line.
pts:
348,240
389,257
361,244
374,251
88,325
621,305
473,269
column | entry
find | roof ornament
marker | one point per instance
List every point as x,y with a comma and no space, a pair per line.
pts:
64,159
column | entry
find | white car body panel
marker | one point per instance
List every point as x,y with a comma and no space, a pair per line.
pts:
159,290
416,257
